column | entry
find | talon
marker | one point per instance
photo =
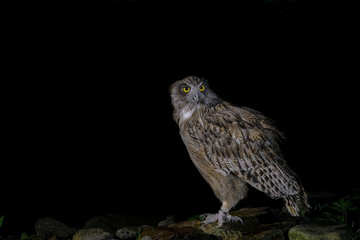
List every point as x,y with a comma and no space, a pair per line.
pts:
219,217
234,218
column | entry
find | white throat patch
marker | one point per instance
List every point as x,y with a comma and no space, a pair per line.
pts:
185,114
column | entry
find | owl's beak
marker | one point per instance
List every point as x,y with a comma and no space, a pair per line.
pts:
196,98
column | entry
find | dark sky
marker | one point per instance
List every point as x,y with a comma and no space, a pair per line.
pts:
89,126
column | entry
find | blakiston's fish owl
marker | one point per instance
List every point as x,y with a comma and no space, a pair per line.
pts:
232,147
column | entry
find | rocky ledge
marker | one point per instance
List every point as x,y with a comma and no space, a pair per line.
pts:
258,223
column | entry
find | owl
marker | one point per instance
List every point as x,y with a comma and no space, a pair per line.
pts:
233,147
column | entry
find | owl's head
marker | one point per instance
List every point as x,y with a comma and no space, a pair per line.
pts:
191,93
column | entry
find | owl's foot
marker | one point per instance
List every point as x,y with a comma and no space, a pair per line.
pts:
219,217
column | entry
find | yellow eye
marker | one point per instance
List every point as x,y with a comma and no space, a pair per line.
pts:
202,88
186,89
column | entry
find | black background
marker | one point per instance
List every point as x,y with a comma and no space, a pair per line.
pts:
88,126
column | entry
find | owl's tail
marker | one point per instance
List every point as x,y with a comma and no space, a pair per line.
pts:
295,203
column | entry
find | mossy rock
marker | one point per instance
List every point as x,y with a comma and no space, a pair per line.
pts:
320,231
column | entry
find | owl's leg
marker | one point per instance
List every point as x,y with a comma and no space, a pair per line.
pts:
229,189
220,217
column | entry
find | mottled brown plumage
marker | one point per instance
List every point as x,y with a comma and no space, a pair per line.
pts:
232,147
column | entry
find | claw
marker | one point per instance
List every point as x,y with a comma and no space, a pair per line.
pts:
219,217
233,219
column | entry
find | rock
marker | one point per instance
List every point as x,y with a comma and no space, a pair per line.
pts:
250,229
226,231
258,224
92,234
47,227
189,233
167,221
261,223
128,232
320,231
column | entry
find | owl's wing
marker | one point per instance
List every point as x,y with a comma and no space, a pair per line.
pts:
244,142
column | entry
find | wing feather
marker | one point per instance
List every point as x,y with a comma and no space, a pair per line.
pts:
244,142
